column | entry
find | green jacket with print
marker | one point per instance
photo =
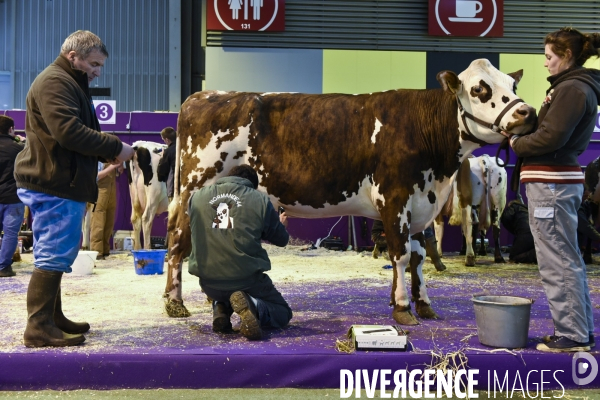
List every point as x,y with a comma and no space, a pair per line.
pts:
228,220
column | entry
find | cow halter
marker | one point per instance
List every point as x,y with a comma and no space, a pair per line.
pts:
495,127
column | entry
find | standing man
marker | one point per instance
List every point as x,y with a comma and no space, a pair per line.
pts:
166,165
56,176
228,220
11,207
103,215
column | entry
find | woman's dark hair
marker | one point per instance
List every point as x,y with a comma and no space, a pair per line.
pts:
582,45
245,171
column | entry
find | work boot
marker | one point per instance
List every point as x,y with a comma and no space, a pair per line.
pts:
431,250
222,317
65,324
41,300
243,305
7,272
561,344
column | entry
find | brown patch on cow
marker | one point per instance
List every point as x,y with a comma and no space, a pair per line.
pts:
505,99
471,138
493,104
239,154
449,81
463,184
517,75
484,92
223,156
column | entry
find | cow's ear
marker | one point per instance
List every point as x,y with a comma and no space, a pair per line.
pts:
449,81
516,76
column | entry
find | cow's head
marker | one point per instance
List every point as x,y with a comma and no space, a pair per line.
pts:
488,103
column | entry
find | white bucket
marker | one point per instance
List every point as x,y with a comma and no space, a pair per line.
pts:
127,243
84,263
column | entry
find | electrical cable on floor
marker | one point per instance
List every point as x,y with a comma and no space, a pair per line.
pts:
318,243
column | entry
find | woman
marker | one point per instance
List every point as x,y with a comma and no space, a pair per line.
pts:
554,183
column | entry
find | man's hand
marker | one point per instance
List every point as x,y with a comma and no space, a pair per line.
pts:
283,219
126,154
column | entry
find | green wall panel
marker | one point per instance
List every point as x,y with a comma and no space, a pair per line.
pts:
532,87
359,71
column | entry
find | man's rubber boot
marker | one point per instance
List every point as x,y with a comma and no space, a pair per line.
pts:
431,250
222,317
65,324
41,300
243,305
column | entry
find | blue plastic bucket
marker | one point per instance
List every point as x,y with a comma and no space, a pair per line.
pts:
148,262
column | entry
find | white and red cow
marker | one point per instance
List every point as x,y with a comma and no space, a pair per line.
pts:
391,155
477,203
148,194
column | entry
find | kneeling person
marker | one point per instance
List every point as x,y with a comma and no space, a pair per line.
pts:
228,220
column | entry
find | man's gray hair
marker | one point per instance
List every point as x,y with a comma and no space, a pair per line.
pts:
83,43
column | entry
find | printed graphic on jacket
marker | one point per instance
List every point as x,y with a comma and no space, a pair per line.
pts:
222,220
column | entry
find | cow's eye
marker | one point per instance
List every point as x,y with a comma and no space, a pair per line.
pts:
477,89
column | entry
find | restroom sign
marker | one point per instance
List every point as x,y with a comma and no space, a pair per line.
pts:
106,111
245,15
483,18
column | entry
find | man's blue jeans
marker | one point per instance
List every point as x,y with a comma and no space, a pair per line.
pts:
56,229
11,218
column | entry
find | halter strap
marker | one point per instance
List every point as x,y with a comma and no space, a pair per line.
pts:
464,114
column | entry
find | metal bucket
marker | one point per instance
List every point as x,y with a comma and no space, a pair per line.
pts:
502,321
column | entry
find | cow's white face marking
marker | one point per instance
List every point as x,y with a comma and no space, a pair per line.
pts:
484,92
378,126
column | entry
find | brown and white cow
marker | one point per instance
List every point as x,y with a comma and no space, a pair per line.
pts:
148,194
390,155
477,203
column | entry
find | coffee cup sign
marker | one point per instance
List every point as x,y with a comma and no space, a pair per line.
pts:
466,18
468,8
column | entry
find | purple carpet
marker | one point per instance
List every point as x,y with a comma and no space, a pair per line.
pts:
304,354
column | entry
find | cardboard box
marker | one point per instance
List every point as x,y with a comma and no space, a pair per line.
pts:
378,337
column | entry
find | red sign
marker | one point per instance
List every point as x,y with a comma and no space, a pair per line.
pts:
466,18
245,15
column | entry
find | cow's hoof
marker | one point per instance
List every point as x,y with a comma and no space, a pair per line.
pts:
176,309
470,261
499,260
439,266
424,310
403,316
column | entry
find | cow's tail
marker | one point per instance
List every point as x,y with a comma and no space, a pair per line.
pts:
176,177
484,209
